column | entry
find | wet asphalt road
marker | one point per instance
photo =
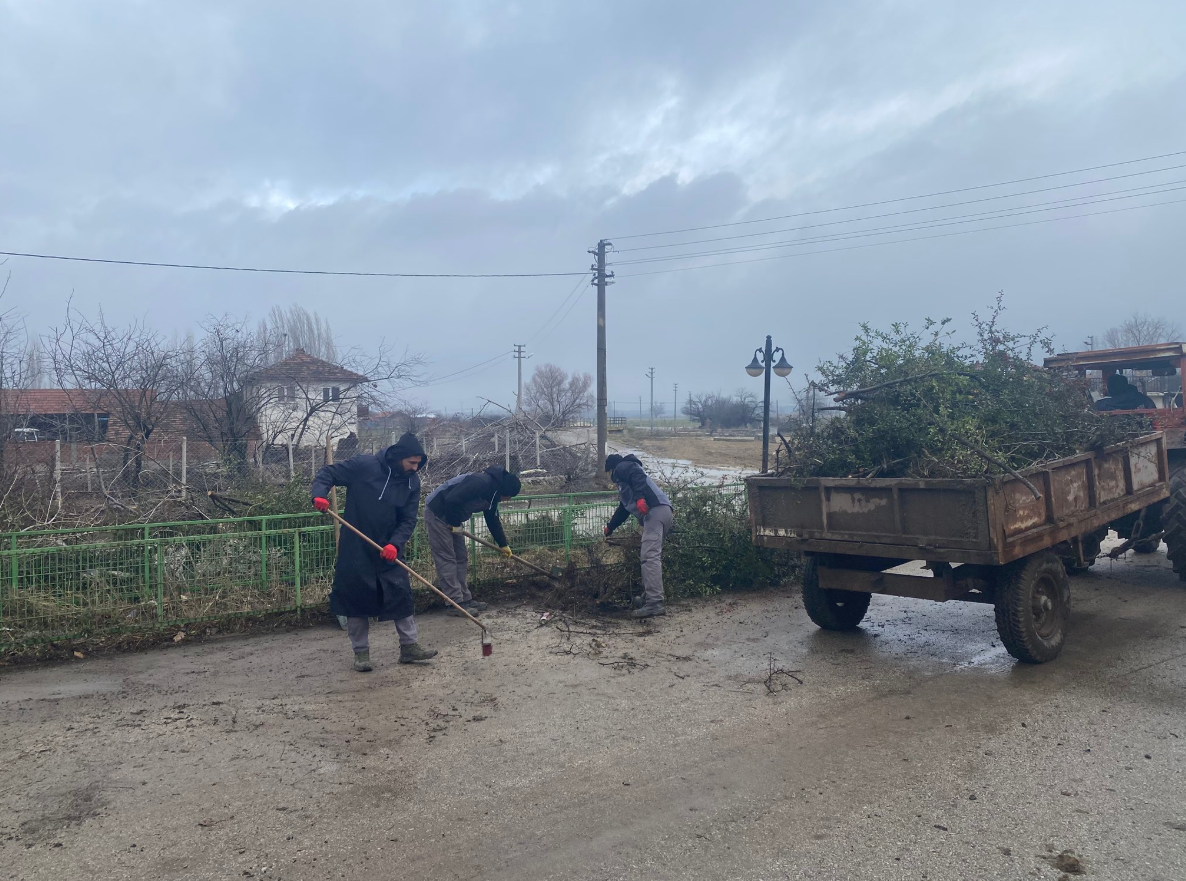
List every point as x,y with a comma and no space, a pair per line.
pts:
913,749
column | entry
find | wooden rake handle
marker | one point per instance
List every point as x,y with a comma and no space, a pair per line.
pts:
540,569
409,569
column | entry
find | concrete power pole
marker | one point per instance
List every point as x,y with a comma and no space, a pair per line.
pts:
519,356
651,374
674,405
602,279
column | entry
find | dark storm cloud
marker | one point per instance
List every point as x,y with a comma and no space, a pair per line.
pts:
503,137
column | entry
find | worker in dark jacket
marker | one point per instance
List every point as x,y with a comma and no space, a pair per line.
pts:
641,496
447,508
382,498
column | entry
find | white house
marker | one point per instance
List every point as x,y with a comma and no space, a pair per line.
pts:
304,401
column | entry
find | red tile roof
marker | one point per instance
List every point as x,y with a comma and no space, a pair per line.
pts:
54,400
302,367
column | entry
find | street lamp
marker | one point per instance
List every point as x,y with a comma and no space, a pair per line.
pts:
762,362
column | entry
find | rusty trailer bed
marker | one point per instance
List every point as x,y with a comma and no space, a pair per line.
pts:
989,522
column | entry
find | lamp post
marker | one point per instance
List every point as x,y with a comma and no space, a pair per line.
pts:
758,367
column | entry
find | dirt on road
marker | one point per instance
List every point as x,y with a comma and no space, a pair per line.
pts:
731,739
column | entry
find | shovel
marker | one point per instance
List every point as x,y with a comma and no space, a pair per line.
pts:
487,645
556,572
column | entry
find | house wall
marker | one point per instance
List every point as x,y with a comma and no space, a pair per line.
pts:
305,416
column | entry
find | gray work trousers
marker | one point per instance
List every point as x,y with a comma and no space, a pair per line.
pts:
451,557
655,526
360,628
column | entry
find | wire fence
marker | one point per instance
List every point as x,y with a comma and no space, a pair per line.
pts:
69,584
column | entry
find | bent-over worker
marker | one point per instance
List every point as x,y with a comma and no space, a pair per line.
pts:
382,498
447,508
641,496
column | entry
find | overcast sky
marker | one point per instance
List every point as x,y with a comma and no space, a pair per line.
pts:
477,137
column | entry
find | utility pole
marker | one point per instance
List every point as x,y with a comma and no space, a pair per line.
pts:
651,374
674,405
601,278
519,356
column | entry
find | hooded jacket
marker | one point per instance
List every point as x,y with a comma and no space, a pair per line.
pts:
455,500
382,500
633,484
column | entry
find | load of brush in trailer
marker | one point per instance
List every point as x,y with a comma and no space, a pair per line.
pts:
1008,541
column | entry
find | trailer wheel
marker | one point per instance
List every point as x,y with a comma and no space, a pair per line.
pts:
1033,605
1173,519
831,609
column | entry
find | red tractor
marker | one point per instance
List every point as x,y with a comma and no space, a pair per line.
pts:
1156,364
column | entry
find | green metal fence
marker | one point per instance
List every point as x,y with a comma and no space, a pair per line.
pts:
66,584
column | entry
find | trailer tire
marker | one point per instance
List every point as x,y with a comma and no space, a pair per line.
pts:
1173,520
831,609
1033,605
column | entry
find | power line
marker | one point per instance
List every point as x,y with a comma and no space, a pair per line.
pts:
772,232
903,241
999,214
276,270
563,302
438,380
564,317
1021,180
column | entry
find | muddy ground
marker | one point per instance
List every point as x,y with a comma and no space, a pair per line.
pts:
701,450
913,749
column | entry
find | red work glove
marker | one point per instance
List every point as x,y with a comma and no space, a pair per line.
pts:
643,507
321,505
389,553
605,530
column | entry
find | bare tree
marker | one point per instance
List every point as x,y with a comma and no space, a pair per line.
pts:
134,370
213,376
1142,329
36,370
715,410
14,378
554,397
286,330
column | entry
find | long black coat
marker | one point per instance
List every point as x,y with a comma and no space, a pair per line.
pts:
382,500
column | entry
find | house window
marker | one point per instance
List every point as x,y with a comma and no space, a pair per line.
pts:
325,395
336,393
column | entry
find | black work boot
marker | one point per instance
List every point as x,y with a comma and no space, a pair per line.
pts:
411,653
650,610
472,608
639,601
362,662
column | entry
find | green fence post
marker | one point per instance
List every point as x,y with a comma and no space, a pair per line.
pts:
567,534
263,558
160,581
15,567
296,564
147,565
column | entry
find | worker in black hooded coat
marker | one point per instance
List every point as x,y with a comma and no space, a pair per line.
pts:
382,500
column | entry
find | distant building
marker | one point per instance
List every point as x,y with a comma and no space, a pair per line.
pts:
80,415
304,401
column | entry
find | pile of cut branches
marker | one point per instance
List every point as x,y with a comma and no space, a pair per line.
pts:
921,404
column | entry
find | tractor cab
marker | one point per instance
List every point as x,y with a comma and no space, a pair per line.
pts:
1142,379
